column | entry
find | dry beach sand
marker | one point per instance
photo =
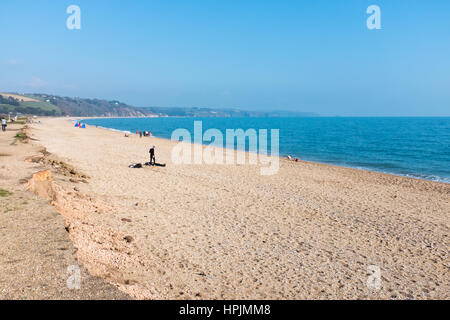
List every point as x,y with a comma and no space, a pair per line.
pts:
35,249
226,232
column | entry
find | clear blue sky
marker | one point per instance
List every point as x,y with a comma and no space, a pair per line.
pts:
299,55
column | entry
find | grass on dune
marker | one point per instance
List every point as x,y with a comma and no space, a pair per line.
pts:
5,193
21,136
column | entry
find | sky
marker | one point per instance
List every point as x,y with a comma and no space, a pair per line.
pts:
308,56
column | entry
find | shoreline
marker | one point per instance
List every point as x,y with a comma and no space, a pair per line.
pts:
225,232
406,175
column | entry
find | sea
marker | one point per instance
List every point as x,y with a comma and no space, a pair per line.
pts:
414,147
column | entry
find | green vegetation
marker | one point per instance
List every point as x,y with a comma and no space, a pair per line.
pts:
16,105
9,101
5,193
43,105
5,108
21,136
51,105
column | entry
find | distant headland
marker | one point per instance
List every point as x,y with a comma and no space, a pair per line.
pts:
41,104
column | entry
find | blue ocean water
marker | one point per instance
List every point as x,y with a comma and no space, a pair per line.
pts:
415,147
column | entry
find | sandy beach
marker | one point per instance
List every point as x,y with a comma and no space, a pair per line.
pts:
312,231
36,252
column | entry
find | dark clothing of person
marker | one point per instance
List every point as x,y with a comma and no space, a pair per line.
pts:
3,127
152,156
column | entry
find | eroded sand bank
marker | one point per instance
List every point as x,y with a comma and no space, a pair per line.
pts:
36,253
220,231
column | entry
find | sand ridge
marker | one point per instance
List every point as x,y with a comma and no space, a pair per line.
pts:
35,249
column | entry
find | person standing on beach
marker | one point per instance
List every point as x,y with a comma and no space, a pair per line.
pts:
4,124
152,156
140,134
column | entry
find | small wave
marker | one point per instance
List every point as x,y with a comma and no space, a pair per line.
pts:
428,177
408,175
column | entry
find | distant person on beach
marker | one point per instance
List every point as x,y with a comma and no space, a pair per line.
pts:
140,134
4,124
152,156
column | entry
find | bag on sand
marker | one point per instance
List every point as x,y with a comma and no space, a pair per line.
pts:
156,164
136,165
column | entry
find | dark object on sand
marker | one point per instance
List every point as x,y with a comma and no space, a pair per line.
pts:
139,165
155,164
128,239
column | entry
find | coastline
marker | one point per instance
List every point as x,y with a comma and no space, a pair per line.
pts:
283,158
211,231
